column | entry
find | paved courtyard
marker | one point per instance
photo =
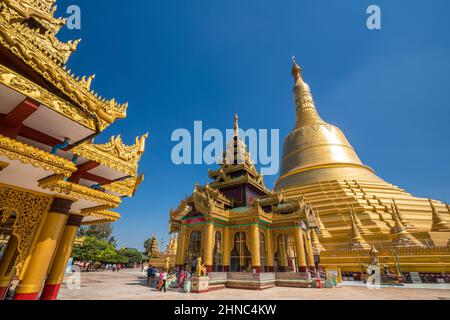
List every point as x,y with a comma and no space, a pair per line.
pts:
131,285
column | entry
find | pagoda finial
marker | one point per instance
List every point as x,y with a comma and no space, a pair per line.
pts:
304,103
236,125
296,70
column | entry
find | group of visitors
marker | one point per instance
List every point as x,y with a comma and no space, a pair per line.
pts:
161,278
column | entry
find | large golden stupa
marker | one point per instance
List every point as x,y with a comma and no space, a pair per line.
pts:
356,208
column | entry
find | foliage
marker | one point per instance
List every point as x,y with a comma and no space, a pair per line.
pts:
133,255
101,232
95,250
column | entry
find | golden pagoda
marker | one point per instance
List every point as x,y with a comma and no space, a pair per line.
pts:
166,258
356,208
53,177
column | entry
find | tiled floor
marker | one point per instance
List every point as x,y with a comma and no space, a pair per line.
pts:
128,285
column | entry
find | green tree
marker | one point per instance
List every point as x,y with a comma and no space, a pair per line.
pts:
108,254
133,255
98,251
88,251
100,231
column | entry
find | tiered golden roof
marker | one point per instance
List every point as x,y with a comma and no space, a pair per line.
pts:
236,166
28,30
237,169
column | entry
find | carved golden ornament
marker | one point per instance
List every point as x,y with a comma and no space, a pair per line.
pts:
114,154
26,87
105,112
102,213
56,183
29,208
125,187
46,42
3,165
15,150
41,10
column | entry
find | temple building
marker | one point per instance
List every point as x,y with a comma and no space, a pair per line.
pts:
238,228
356,209
53,177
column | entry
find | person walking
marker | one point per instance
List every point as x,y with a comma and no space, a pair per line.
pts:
164,280
181,279
151,275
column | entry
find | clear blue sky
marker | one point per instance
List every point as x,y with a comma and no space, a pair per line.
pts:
180,61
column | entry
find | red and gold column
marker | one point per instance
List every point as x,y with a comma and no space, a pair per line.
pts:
256,247
41,258
270,255
226,249
209,246
300,246
7,266
282,244
58,268
179,261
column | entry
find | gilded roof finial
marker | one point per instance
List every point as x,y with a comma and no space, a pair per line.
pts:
236,125
296,70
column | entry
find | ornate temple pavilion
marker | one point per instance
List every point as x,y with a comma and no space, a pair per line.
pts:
356,209
236,225
53,177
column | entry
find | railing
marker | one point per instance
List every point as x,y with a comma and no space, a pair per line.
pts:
218,276
291,276
386,251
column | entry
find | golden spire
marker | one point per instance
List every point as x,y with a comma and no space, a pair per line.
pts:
315,150
357,221
322,229
357,240
439,223
236,125
304,102
401,237
317,246
398,228
400,215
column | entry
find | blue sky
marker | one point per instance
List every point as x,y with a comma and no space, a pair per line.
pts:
180,61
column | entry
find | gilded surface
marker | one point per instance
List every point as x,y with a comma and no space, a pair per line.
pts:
45,55
102,213
354,208
26,87
56,183
15,150
114,154
29,209
125,187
